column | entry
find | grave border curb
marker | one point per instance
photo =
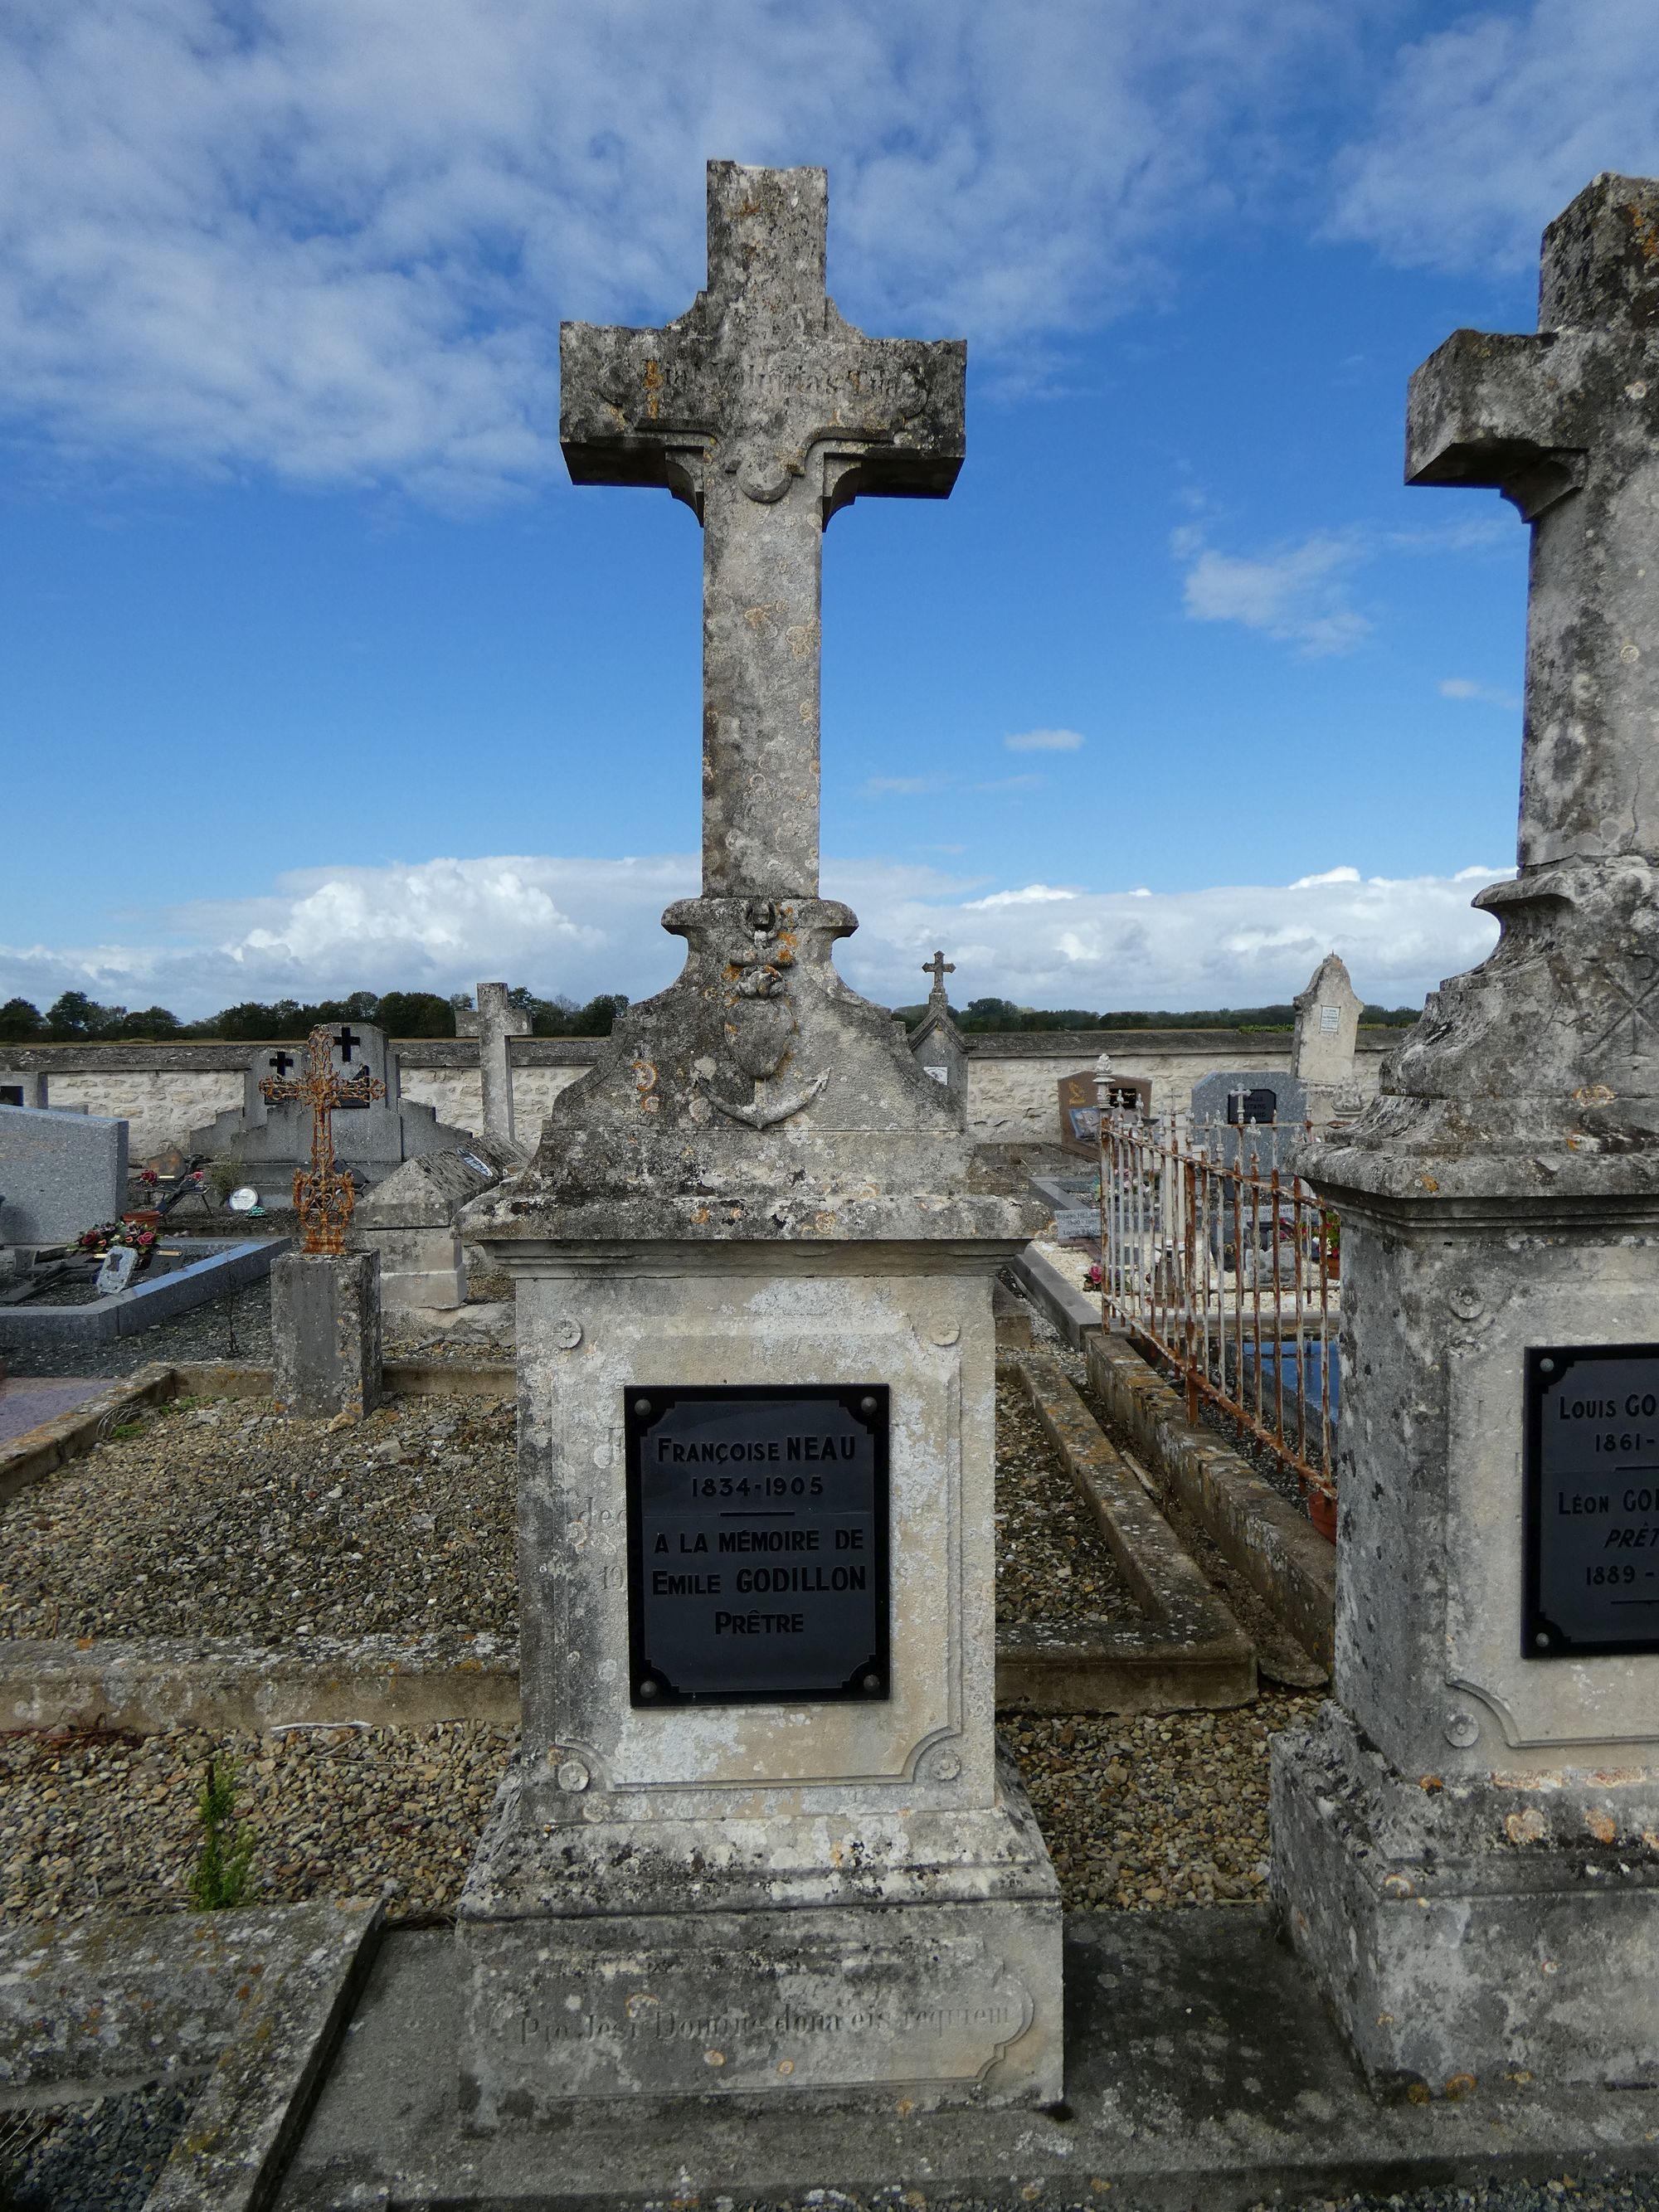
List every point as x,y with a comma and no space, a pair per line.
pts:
1192,1642
1280,1552
39,1451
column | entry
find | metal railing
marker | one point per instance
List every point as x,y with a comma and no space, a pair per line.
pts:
1219,1259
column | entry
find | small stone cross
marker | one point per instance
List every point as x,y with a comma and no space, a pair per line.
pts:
765,413
1565,423
939,967
325,1197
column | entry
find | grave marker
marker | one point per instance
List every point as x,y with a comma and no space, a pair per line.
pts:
756,1203
1500,1262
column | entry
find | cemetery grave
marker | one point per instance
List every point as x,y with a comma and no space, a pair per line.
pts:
738,1853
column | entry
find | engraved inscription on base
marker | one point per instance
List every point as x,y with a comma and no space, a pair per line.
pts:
1592,1500
595,2014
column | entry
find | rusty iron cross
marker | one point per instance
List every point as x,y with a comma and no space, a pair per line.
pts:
323,1194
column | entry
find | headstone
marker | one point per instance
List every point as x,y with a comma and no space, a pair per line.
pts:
1245,1114
1327,1034
271,1138
938,1045
756,1838
410,1220
495,1021
1463,1845
117,1271
325,1333
59,1174
22,1087
1079,1106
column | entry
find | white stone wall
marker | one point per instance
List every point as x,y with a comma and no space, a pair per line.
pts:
1017,1101
534,1089
455,1094
161,1107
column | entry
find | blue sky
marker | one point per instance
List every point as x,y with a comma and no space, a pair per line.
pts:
320,675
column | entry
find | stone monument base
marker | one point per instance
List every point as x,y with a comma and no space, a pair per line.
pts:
1480,1926
911,1960
325,1333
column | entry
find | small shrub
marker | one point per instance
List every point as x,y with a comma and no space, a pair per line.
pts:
224,1175
226,1857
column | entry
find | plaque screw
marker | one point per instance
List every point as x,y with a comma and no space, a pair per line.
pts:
866,1405
647,1689
870,1682
1547,1367
1542,1640
641,1407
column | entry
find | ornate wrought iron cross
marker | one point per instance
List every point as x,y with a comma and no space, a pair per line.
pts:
323,1193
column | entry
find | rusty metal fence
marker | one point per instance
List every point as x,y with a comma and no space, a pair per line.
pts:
1222,1263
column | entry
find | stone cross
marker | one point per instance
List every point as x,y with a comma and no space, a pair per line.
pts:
939,967
323,1196
765,413
1566,424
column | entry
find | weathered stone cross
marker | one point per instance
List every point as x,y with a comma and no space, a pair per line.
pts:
939,967
1565,423
766,413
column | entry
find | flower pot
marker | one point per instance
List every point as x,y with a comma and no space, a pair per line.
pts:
143,1217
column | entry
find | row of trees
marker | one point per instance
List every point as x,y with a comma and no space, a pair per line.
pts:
984,1015
75,1018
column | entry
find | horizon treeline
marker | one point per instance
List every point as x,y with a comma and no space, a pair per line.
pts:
74,1018
983,1016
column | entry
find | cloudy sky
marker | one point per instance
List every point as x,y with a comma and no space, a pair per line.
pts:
319,675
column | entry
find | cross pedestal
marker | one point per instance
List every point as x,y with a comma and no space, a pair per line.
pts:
757,1839
1465,1847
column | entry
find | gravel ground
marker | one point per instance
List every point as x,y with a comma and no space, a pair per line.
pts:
1053,1565
236,1328
1140,1815
105,1822
1168,1809
101,2157
219,1519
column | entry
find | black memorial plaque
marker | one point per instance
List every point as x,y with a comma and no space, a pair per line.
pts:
1592,1500
757,1544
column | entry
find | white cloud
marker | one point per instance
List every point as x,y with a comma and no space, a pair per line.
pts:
1486,130
581,926
1297,594
1044,741
335,242
1487,694
900,787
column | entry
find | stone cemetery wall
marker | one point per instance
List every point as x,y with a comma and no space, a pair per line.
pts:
160,1106
163,1091
1012,1079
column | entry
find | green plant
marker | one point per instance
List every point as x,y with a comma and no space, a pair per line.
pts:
224,1175
226,1857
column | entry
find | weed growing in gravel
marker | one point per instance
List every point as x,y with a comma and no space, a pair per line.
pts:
227,1854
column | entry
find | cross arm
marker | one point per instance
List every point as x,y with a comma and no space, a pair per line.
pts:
628,399
1511,412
